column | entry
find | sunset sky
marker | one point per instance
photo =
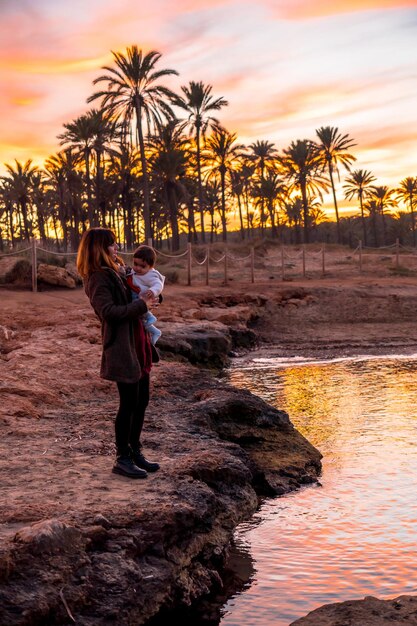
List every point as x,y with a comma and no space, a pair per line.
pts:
286,67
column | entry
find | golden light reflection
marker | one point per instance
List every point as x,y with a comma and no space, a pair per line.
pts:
355,535
331,402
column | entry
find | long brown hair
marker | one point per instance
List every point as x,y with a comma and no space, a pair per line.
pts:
93,251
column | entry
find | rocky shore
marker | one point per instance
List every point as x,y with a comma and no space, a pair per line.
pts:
81,545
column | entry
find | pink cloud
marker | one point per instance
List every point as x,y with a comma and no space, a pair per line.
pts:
302,9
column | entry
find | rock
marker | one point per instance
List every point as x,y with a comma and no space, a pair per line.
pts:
367,612
48,537
71,268
231,315
207,343
268,437
243,337
14,269
54,275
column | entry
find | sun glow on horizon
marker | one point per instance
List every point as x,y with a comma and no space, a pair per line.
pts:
286,68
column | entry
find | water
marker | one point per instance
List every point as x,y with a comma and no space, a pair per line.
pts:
356,535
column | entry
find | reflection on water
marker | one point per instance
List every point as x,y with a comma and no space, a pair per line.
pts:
355,535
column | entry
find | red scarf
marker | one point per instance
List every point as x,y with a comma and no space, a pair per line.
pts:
142,339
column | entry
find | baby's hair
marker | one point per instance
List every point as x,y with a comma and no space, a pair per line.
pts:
145,253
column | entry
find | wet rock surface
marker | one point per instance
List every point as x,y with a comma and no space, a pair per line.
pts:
367,612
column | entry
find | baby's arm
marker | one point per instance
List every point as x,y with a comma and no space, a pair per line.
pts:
155,282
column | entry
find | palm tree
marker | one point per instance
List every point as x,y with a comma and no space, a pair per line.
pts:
237,187
105,129
293,210
359,184
220,155
271,190
80,136
122,173
373,209
247,171
199,103
301,166
63,178
385,200
213,202
132,93
39,196
169,163
334,150
407,192
262,156
20,186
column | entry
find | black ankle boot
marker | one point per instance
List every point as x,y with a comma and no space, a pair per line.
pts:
140,461
126,467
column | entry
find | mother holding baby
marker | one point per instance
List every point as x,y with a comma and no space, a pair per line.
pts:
126,348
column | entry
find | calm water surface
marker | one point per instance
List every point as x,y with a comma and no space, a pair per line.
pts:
356,535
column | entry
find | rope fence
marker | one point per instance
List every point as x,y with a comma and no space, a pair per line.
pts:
204,265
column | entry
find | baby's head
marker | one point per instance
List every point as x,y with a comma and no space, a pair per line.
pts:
144,259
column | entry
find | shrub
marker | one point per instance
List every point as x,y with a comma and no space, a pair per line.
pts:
171,277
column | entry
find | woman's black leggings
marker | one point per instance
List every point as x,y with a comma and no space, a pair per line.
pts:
134,398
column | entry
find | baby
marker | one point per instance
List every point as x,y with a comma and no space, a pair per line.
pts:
145,279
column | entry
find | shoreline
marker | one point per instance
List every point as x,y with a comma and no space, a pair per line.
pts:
73,530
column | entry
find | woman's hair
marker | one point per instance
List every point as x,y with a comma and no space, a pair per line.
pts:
93,251
145,253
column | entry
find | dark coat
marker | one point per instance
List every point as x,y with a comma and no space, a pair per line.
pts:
111,300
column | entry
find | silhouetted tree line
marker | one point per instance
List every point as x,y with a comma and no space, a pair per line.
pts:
152,163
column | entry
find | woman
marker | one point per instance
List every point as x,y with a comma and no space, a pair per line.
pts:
127,354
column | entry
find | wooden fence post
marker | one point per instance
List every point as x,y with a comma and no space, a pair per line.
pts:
150,242
397,253
323,262
225,267
304,260
189,264
252,264
282,263
360,256
207,264
34,261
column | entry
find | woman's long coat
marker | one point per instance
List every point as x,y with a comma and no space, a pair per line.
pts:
111,300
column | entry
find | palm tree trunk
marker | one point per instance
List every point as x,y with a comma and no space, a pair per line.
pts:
384,226
363,220
10,215
223,208
146,196
305,210
27,229
272,216
375,230
200,185
413,226
262,199
335,202
192,233
90,208
247,213
172,205
242,227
